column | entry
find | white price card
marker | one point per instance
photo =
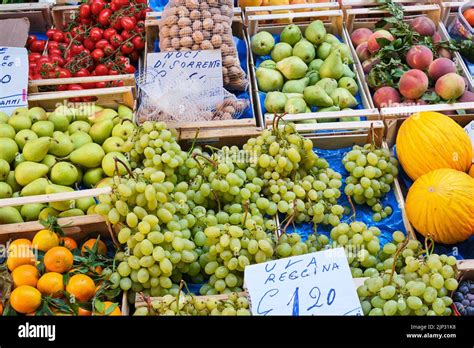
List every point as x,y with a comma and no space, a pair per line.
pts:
470,132
319,283
13,78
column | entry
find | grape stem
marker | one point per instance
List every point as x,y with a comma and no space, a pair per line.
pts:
214,163
429,245
276,120
181,284
147,300
246,206
353,216
395,257
292,217
194,141
217,199
118,160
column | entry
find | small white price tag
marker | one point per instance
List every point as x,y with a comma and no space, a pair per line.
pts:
13,78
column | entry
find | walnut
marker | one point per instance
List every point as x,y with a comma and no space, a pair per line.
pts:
165,43
165,31
216,41
226,116
226,80
196,47
192,4
178,3
186,41
226,10
224,71
171,20
208,24
215,11
228,61
206,45
224,50
203,6
184,22
175,43
213,3
185,49
186,31
197,25
195,15
230,109
228,40
183,11
206,14
218,18
198,37
235,71
206,34
170,11
174,31
218,29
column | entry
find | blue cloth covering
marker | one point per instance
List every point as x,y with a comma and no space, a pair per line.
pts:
39,36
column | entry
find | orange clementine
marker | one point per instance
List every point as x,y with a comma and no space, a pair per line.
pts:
20,241
83,312
51,284
25,299
1,308
45,240
81,286
69,243
107,304
101,248
20,254
58,259
25,275
469,15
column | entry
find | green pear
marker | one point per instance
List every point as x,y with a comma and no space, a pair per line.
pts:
291,34
315,65
101,131
113,144
305,50
47,212
328,109
12,182
330,38
49,160
269,80
324,50
64,111
332,66
4,169
43,128
5,190
23,136
109,167
23,111
269,64
19,122
30,212
343,98
349,84
88,155
36,187
61,145
275,102
7,131
313,77
345,51
350,118
27,172
63,205
71,212
125,112
92,177
348,72
35,150
79,126
61,122
124,130
295,86
281,51
329,85
84,203
293,95
315,32
37,114
292,67
295,106
10,215
9,149
105,114
79,176
85,111
91,210
262,43
3,117
80,138
64,173
19,158
317,96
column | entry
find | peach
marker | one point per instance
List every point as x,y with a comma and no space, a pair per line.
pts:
360,35
368,64
445,53
466,97
386,97
423,26
413,84
440,67
363,51
372,43
436,37
450,86
419,57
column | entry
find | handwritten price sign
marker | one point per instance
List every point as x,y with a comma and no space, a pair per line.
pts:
13,78
313,284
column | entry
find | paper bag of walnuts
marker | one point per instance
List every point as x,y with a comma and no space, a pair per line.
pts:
192,25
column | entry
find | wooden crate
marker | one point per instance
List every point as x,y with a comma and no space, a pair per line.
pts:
367,17
39,14
219,130
333,22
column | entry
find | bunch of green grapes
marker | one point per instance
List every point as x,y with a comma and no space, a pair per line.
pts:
416,285
290,244
235,304
372,171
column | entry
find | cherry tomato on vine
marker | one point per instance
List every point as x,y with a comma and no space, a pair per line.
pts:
84,11
128,23
58,36
30,39
125,34
85,21
127,48
62,87
38,46
89,44
104,17
108,33
50,33
101,44
108,49
96,34
64,73
97,54
116,40
97,6
101,70
134,56
55,59
129,69
76,49
138,43
101,84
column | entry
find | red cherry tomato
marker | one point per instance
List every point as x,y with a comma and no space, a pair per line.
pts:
58,60
108,33
82,73
32,66
84,11
77,49
113,72
138,43
96,34
33,56
30,39
101,44
101,70
55,52
135,56
89,44
58,36
97,54
85,21
116,40
50,33
129,69
52,45
101,84
125,34
114,7
62,87
62,46
64,73
140,27
127,48
128,23
38,46
104,17
108,49
96,7
122,60
77,33
74,87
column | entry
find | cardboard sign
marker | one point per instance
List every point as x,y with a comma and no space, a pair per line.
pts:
319,283
470,132
13,78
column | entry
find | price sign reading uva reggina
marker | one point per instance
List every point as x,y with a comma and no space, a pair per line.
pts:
319,283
